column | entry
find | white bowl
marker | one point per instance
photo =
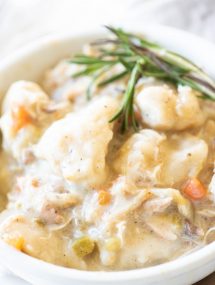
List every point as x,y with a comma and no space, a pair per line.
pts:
29,64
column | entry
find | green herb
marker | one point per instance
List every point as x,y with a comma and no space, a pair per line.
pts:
126,112
139,58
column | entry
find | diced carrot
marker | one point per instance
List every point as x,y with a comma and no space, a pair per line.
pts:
35,182
194,189
17,242
104,198
20,118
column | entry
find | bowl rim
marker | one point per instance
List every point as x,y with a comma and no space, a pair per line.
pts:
172,268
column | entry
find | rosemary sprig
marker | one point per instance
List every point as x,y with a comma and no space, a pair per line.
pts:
126,112
139,58
113,78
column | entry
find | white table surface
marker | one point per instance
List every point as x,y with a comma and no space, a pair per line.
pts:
22,21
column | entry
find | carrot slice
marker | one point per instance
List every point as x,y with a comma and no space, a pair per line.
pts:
16,242
104,198
194,189
35,182
20,118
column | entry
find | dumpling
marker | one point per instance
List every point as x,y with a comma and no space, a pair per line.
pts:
164,109
60,84
150,158
185,156
25,93
76,146
138,157
21,112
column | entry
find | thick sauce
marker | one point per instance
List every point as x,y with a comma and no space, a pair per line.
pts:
82,195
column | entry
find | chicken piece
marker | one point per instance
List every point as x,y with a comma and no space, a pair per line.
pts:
50,215
46,199
123,201
157,205
138,158
56,209
167,225
161,108
184,206
76,146
21,111
150,158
